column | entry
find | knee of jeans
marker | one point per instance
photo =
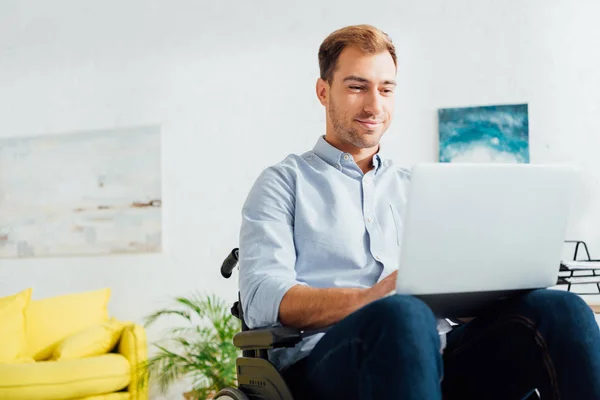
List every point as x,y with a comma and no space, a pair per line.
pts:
404,313
554,305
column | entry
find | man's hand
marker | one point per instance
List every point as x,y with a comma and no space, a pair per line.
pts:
383,288
388,285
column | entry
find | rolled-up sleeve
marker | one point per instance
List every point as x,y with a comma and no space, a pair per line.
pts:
267,254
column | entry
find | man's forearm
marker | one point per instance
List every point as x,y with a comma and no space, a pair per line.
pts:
311,308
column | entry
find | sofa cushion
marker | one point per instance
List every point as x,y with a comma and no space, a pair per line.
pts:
12,325
93,341
48,321
64,379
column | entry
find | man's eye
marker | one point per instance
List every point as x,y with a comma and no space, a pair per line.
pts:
356,87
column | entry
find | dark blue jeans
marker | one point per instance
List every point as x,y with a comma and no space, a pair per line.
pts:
390,349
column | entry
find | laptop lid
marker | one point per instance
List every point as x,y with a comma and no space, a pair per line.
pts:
484,227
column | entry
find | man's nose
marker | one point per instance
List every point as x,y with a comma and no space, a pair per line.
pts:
373,103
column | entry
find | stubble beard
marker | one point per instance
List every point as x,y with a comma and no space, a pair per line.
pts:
350,134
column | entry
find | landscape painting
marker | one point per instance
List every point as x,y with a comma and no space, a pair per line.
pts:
484,134
82,193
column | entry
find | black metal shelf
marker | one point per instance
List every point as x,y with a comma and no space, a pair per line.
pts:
568,276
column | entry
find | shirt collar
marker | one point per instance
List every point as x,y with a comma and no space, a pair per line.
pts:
337,158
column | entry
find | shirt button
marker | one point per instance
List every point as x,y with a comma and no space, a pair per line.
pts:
338,166
346,157
378,258
370,219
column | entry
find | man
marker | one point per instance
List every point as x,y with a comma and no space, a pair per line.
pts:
320,238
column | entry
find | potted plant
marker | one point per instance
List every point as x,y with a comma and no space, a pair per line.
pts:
201,349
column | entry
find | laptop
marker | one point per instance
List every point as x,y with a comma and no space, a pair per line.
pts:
476,234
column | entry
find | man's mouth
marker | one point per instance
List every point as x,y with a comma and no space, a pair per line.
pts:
368,124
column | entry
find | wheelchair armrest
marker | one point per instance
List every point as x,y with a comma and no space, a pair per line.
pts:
267,338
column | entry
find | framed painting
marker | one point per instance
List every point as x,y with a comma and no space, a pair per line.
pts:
484,134
82,193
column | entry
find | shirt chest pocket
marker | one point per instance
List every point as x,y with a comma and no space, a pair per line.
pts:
334,237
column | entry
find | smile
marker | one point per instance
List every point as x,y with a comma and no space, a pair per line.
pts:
368,124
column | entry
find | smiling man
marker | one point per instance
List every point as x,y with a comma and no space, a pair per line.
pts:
321,235
360,108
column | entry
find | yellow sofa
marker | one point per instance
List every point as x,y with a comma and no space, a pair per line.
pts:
67,347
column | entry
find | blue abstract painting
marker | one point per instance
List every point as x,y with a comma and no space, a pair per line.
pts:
484,134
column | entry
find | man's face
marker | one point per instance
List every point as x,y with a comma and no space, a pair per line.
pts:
360,99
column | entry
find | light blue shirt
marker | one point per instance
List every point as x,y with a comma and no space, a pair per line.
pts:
316,219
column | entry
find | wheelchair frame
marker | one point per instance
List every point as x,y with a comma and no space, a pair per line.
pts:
258,379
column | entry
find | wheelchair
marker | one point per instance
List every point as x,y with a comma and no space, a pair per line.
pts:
257,377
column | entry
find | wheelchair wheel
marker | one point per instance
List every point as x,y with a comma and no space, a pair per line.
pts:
230,394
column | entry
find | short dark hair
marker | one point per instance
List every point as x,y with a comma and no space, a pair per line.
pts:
366,38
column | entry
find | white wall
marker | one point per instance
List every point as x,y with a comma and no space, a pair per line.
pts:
232,84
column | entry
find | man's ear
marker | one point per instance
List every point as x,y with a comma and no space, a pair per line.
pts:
322,91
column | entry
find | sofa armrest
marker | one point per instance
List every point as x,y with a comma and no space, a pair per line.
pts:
133,346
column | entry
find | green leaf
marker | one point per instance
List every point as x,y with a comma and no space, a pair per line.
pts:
195,305
161,313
